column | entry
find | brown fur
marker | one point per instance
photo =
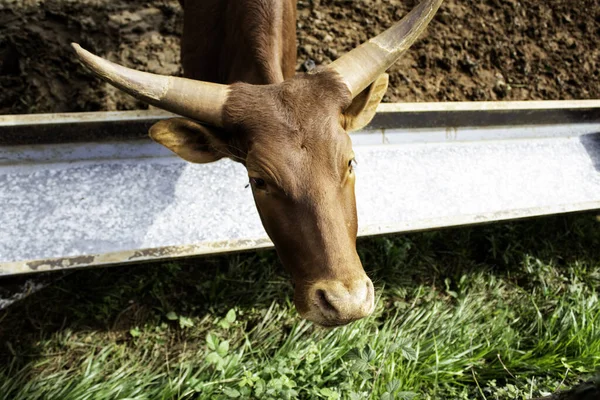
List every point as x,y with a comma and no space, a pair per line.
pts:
289,131
227,41
302,152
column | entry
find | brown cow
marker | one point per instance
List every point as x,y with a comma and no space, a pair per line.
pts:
289,130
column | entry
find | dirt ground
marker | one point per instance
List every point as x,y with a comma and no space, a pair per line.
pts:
473,50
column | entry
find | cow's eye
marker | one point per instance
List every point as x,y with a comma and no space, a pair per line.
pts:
352,164
258,183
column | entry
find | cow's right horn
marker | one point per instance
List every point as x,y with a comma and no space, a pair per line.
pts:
361,66
202,101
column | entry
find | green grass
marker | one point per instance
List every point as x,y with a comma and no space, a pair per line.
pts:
506,311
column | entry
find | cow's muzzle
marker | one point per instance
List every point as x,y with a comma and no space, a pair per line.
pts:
334,303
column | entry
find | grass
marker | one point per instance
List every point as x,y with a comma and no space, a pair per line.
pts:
506,311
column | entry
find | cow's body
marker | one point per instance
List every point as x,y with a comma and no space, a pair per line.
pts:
243,101
228,41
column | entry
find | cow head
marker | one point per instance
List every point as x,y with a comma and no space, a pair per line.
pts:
292,137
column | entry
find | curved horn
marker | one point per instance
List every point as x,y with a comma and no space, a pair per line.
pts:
202,101
361,66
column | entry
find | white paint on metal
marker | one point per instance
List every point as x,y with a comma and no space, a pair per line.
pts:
488,106
474,106
77,205
70,118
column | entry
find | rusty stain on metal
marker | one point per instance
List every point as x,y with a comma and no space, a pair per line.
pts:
45,265
139,255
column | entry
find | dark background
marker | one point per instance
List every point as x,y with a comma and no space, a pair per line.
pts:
473,50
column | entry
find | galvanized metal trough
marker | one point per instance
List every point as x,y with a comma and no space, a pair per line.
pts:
88,190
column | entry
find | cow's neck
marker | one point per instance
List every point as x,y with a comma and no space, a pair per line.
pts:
228,41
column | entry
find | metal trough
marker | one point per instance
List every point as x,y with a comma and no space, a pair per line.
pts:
84,190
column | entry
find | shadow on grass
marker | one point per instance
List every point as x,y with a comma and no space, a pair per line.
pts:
112,301
588,390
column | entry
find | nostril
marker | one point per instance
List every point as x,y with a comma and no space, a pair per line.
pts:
370,298
324,302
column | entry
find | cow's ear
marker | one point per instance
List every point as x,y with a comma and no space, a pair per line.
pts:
363,107
189,140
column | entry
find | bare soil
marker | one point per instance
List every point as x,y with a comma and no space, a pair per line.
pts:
473,50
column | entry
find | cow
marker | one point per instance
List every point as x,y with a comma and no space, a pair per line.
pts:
240,98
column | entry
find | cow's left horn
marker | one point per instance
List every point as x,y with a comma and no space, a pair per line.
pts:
202,101
361,66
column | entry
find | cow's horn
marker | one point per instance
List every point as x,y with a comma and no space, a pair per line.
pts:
202,101
361,66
